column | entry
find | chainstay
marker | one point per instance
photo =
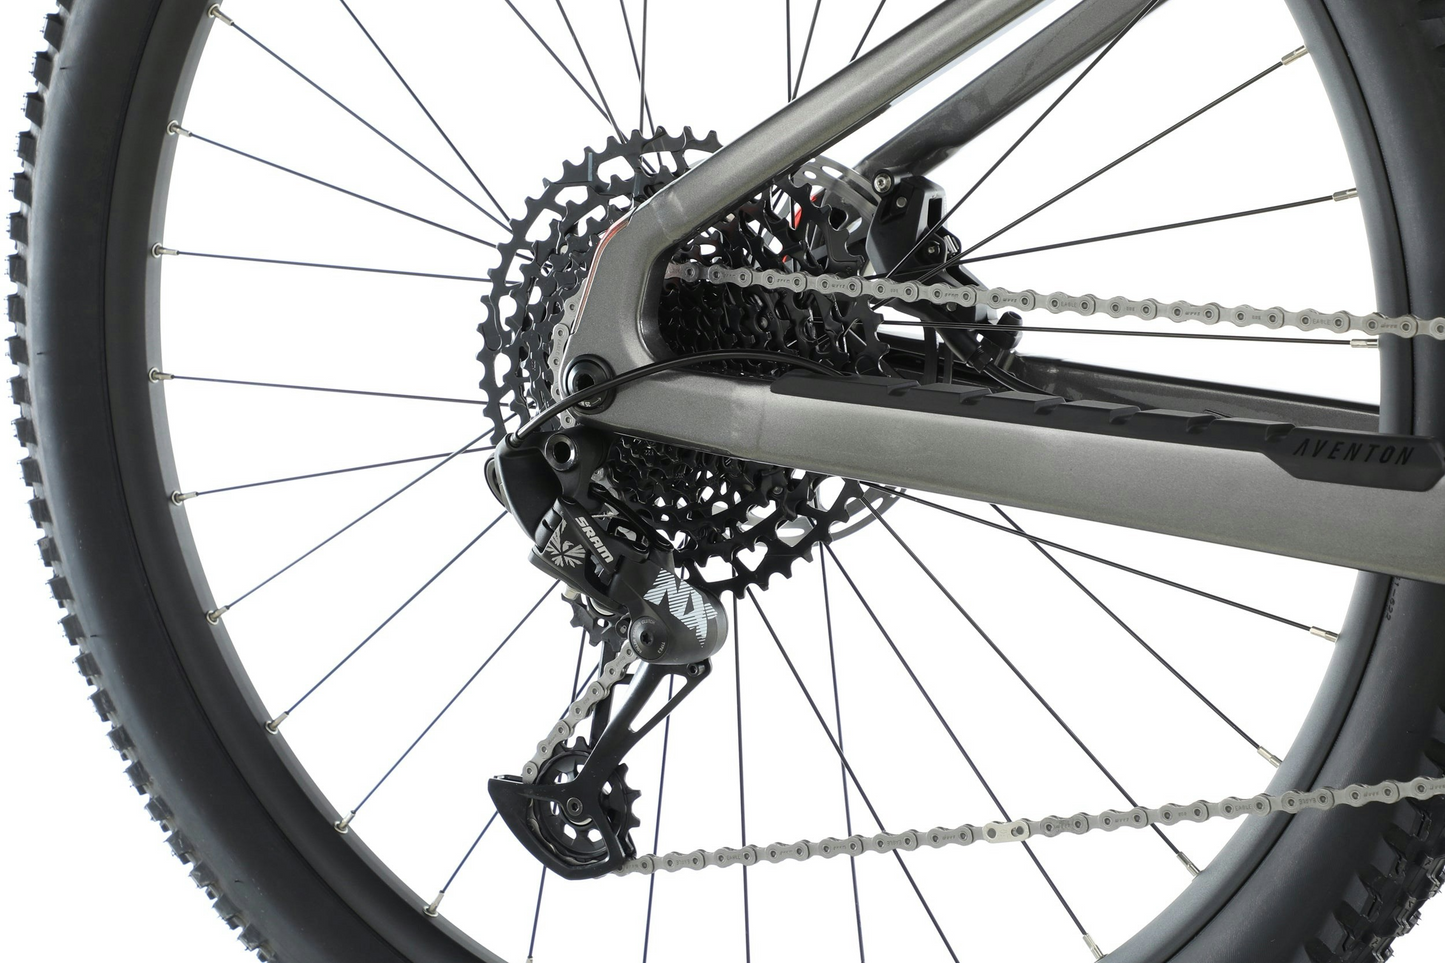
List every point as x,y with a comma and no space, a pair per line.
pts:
1085,305
579,710
1231,807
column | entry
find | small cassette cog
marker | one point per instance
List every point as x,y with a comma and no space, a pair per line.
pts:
732,523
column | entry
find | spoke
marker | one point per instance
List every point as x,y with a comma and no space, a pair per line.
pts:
577,690
838,726
642,75
1124,333
958,744
536,914
1114,163
275,723
337,391
214,616
1254,743
640,65
742,794
345,824
330,267
817,713
1096,558
587,64
565,69
424,110
867,30
369,125
788,43
330,186
431,909
1027,132
1023,679
1342,195
186,496
657,825
807,45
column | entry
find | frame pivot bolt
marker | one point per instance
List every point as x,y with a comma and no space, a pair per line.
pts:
883,182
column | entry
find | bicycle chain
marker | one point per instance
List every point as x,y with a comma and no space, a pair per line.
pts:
1231,807
1086,305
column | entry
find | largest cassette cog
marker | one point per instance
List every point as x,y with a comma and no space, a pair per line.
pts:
732,523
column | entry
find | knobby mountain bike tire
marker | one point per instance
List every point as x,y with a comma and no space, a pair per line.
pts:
258,835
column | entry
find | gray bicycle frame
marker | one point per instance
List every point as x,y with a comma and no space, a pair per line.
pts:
1229,497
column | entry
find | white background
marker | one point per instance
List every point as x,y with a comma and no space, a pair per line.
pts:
88,874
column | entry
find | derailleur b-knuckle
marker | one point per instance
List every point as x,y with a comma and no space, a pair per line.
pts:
570,806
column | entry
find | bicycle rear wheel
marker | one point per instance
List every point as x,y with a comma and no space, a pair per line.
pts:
240,806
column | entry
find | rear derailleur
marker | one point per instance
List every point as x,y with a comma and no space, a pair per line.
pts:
571,807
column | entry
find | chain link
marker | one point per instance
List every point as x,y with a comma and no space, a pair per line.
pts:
1086,305
1231,807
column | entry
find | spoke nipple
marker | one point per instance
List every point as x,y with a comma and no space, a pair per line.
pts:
1189,864
215,11
274,726
1270,757
174,128
214,616
177,497
343,825
1347,195
159,250
156,374
1325,634
431,908
1093,947
1296,54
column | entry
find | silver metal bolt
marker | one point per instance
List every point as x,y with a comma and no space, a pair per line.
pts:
883,182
